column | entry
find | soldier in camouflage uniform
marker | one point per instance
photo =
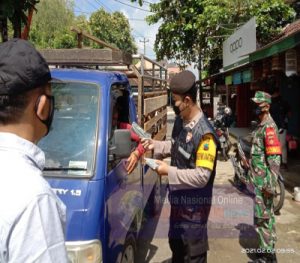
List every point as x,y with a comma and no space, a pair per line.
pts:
263,173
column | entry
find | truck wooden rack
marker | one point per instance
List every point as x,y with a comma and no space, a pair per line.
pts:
148,80
86,57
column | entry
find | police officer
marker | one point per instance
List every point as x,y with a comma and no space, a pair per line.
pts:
193,150
263,173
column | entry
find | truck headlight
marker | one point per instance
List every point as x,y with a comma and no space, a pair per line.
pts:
84,251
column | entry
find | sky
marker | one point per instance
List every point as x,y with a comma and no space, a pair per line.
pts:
136,16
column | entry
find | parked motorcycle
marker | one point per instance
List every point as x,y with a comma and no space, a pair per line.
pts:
221,123
240,159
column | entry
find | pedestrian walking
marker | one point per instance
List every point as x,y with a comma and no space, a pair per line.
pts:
263,173
31,215
193,150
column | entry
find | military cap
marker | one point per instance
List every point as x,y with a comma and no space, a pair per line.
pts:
182,82
261,96
22,67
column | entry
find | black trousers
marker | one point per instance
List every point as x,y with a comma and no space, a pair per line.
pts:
181,252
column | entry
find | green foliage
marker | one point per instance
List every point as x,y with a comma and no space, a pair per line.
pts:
112,28
193,31
51,25
139,1
16,12
271,17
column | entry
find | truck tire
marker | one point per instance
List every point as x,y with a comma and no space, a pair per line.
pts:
129,250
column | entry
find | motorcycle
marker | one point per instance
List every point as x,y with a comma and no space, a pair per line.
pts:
221,123
240,161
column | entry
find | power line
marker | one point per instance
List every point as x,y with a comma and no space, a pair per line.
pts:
104,6
144,41
92,5
147,2
135,7
137,19
83,12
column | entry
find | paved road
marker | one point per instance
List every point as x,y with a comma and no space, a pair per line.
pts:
230,228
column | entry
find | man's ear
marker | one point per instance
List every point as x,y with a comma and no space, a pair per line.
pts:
42,107
187,99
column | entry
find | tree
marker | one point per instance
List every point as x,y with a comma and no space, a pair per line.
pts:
51,25
15,11
193,31
113,28
296,6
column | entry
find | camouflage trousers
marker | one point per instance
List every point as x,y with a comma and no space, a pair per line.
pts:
264,220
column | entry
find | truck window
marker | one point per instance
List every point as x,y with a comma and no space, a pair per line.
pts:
70,146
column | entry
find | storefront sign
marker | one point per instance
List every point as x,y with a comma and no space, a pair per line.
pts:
239,44
228,80
237,78
290,62
246,75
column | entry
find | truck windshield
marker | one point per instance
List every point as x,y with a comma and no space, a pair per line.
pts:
70,146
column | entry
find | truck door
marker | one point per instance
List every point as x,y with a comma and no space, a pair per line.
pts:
124,191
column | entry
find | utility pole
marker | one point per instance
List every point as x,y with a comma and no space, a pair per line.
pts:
144,41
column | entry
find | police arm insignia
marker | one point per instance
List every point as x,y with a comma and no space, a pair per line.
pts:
206,152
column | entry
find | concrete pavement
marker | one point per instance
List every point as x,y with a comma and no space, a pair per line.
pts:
230,229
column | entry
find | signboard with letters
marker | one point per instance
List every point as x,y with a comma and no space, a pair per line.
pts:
240,43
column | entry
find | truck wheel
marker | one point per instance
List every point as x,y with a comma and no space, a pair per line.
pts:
129,251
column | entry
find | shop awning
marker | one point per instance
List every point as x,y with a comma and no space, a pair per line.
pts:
276,47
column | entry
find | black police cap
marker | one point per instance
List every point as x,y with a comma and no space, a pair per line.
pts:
22,67
182,82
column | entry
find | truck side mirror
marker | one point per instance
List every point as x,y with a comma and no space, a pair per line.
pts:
120,145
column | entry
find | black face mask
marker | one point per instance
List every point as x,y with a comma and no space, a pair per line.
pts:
257,111
176,110
49,120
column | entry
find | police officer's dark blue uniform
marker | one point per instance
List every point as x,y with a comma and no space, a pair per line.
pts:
193,150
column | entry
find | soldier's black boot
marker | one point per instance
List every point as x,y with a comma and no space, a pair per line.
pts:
272,257
265,258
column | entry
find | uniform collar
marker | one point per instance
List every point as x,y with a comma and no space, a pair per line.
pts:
12,143
191,124
267,119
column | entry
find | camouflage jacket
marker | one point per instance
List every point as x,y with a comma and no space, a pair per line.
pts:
265,156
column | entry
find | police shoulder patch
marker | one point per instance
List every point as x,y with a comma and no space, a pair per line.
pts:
206,152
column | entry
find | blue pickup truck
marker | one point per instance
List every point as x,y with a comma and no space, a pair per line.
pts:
86,159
